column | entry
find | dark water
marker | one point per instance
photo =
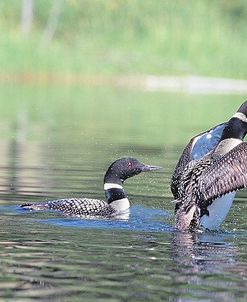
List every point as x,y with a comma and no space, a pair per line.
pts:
57,142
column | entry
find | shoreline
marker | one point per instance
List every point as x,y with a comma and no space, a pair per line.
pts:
181,84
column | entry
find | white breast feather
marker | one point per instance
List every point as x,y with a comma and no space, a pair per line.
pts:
218,211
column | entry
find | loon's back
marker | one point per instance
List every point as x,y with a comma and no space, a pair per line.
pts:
74,207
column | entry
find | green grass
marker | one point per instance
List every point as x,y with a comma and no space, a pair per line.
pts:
115,37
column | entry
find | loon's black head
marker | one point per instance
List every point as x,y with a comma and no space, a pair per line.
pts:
236,127
124,168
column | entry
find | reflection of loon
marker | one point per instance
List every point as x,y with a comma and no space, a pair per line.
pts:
204,251
117,201
210,170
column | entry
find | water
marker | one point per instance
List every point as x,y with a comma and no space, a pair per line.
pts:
57,142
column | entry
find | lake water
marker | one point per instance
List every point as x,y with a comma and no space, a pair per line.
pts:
57,142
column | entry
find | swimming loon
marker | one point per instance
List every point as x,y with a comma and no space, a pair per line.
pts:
116,199
211,168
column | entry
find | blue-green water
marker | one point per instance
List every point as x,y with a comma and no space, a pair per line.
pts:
57,142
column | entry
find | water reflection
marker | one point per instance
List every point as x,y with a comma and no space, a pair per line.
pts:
202,252
138,218
15,151
205,260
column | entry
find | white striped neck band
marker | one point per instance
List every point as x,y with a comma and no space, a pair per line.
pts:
241,116
108,186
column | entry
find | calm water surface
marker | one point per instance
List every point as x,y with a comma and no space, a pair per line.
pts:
57,142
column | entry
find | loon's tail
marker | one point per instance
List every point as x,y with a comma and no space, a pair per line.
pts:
34,206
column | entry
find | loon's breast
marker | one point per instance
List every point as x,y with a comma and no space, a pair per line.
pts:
217,211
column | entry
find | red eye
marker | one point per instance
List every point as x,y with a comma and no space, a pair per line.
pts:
129,165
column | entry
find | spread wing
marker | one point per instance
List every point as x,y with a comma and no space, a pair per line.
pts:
207,141
227,174
182,163
198,147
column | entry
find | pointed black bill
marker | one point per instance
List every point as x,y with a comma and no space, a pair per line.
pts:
146,168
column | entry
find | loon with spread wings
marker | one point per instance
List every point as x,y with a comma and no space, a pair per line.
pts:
212,167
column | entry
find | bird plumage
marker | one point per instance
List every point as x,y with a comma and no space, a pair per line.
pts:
212,165
116,199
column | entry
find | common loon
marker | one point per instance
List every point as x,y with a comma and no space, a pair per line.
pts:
116,200
211,168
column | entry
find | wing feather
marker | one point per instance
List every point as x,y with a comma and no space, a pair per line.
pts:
182,163
197,147
228,173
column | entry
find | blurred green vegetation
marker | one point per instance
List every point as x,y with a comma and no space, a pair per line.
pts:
112,37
